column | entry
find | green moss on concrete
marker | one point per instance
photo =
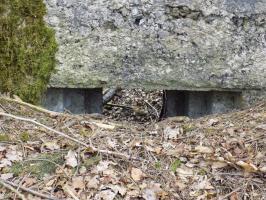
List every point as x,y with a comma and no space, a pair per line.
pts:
27,49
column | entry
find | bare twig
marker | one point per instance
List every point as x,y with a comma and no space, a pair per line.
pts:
68,137
37,108
28,190
44,126
19,185
10,187
120,106
155,110
229,194
1,106
67,189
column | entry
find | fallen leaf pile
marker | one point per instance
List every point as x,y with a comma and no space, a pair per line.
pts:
135,105
215,157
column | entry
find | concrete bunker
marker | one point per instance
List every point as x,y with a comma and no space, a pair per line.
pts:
208,57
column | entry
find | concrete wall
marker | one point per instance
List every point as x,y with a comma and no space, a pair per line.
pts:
160,44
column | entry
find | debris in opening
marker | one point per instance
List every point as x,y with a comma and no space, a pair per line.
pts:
135,105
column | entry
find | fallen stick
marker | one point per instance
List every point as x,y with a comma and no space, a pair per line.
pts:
68,137
37,108
28,190
120,106
155,110
134,109
228,195
44,126
70,191
10,187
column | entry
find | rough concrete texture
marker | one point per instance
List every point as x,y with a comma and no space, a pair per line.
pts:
160,44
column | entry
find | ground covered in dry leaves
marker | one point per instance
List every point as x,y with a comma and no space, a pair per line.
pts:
45,155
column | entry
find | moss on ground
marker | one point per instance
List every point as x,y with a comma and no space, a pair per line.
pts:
4,137
40,166
27,49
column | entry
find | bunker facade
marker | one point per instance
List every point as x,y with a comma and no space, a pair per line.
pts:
213,52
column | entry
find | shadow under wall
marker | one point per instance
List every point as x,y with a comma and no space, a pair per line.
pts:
193,104
196,104
77,101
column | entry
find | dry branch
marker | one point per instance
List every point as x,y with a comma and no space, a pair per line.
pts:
11,187
37,108
121,155
28,190
44,126
231,193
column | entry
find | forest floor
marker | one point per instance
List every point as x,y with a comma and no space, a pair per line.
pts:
47,155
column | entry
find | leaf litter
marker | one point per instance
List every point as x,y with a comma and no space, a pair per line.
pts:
214,157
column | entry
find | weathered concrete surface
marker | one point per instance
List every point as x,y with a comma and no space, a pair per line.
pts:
160,44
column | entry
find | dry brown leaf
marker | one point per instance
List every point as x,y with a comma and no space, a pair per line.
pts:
149,194
213,122
102,166
184,171
111,142
82,170
261,127
7,176
171,133
50,183
71,159
218,165
118,189
133,194
13,155
2,148
78,183
105,195
149,148
204,185
5,163
29,181
104,126
263,169
234,196
51,146
204,149
70,192
158,150
92,182
137,174
248,167
181,185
